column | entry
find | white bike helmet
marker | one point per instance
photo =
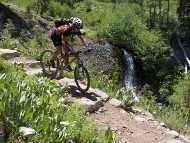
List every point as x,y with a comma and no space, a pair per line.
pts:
77,22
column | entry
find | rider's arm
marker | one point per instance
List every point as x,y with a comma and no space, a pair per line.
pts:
83,41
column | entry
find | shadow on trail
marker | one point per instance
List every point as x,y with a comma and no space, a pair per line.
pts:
73,90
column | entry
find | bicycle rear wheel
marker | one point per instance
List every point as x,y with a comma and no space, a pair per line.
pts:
82,78
47,68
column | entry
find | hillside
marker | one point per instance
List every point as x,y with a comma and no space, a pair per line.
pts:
57,111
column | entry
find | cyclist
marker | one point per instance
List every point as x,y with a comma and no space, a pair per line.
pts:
60,35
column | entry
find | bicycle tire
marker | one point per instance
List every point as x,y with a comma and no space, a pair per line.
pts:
47,68
81,75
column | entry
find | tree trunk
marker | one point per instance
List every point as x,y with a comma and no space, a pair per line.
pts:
168,11
154,11
150,14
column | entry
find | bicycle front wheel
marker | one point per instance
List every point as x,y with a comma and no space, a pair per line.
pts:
47,67
82,78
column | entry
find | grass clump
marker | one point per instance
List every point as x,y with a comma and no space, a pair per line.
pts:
38,103
174,113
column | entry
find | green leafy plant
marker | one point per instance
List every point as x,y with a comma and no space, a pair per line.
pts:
38,104
127,97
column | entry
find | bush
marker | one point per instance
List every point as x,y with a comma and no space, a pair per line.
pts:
172,115
38,103
58,10
93,19
5,68
124,28
34,45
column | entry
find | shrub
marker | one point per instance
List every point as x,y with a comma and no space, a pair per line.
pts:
93,19
38,104
5,68
34,45
58,10
124,28
172,115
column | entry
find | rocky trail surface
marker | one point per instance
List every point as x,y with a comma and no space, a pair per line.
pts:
137,126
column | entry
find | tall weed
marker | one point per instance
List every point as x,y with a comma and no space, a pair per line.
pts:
38,103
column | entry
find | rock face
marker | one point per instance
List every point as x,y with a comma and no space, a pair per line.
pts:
21,21
101,56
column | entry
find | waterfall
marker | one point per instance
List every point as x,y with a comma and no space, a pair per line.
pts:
129,71
129,74
102,57
181,51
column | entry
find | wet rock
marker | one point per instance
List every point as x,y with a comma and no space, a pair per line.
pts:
163,125
150,119
26,131
115,102
122,111
137,111
174,133
102,109
8,54
140,119
32,71
102,95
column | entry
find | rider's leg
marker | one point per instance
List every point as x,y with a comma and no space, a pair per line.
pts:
54,56
57,52
57,43
66,51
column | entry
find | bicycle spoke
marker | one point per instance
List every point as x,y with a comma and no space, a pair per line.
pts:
82,78
48,70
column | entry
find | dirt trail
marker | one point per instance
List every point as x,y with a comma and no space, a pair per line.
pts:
139,127
135,127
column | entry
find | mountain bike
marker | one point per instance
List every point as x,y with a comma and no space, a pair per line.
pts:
81,75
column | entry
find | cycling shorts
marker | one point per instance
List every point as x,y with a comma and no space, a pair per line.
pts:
56,39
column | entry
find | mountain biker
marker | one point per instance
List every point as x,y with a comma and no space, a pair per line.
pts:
60,35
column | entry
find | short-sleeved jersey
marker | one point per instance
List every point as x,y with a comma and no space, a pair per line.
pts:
66,30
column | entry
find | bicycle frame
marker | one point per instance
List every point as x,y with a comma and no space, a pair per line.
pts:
64,58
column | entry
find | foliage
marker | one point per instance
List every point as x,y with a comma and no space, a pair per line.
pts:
127,97
20,3
140,26
181,93
41,6
38,103
57,10
173,116
11,28
34,45
181,97
69,2
5,68
146,91
9,43
110,136
124,28
105,82
93,18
